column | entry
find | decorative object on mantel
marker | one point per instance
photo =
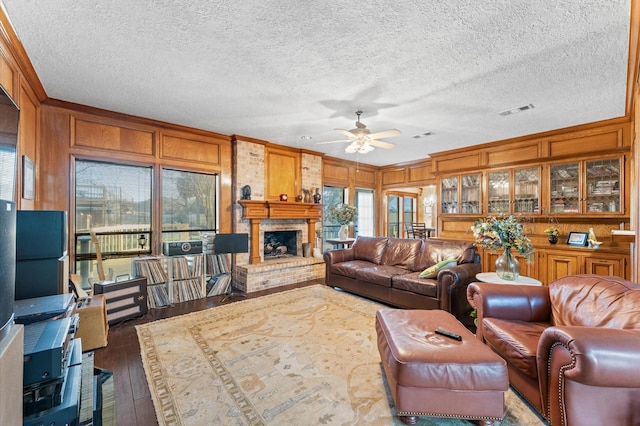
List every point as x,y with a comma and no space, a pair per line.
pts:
283,197
552,232
317,196
593,241
506,233
343,214
307,195
246,192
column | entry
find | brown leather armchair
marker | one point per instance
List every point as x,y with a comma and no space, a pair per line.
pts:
572,348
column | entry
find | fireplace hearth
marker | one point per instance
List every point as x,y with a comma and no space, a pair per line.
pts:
279,244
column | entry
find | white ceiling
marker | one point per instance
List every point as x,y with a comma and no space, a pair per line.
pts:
278,70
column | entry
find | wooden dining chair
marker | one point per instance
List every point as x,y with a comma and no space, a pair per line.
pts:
419,230
408,229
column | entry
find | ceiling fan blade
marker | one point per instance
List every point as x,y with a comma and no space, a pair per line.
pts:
346,133
385,134
341,140
381,144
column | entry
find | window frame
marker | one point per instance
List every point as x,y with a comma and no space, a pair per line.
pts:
154,234
216,202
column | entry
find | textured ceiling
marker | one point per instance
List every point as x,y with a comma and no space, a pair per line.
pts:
279,70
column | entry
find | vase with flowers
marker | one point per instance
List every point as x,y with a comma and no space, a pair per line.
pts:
552,232
504,233
343,214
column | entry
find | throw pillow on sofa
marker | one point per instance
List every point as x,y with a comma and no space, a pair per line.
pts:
432,271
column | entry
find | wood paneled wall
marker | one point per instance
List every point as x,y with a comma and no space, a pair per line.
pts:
605,137
70,132
16,76
415,174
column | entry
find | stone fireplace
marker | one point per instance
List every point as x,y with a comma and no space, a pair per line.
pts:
253,165
276,232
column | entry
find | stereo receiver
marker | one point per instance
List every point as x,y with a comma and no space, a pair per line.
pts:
173,248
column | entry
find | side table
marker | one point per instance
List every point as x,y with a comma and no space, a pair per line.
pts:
346,243
492,277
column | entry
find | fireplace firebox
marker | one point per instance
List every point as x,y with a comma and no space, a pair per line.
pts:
279,244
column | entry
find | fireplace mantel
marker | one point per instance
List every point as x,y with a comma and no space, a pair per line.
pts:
261,209
256,210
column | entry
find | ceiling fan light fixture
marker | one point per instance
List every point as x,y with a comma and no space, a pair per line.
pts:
362,141
360,148
365,148
352,149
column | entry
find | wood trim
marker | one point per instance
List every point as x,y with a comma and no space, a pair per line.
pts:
552,135
17,50
634,57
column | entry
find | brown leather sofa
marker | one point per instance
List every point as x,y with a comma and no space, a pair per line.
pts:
572,348
388,269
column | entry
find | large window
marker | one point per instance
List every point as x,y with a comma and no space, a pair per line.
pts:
188,204
114,202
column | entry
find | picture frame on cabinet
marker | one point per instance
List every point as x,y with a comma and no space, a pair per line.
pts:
28,178
577,239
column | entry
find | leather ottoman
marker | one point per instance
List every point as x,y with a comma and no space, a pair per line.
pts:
434,375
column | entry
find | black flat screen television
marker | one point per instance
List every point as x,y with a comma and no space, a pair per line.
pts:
9,119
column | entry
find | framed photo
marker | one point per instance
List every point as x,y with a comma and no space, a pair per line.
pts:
577,238
28,178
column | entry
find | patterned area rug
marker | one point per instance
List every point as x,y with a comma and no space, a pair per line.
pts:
302,357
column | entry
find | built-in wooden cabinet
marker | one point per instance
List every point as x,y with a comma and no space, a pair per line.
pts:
461,194
600,265
560,264
562,261
513,191
592,187
553,262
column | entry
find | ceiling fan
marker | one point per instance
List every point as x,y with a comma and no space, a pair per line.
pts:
362,140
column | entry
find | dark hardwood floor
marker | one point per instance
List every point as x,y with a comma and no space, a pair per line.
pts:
122,356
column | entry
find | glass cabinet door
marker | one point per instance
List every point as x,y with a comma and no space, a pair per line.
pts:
565,188
471,193
526,190
449,195
499,192
603,186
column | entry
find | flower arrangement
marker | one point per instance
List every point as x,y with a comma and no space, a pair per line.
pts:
494,233
343,214
552,231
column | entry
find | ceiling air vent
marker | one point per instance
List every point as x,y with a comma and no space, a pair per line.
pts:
516,110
